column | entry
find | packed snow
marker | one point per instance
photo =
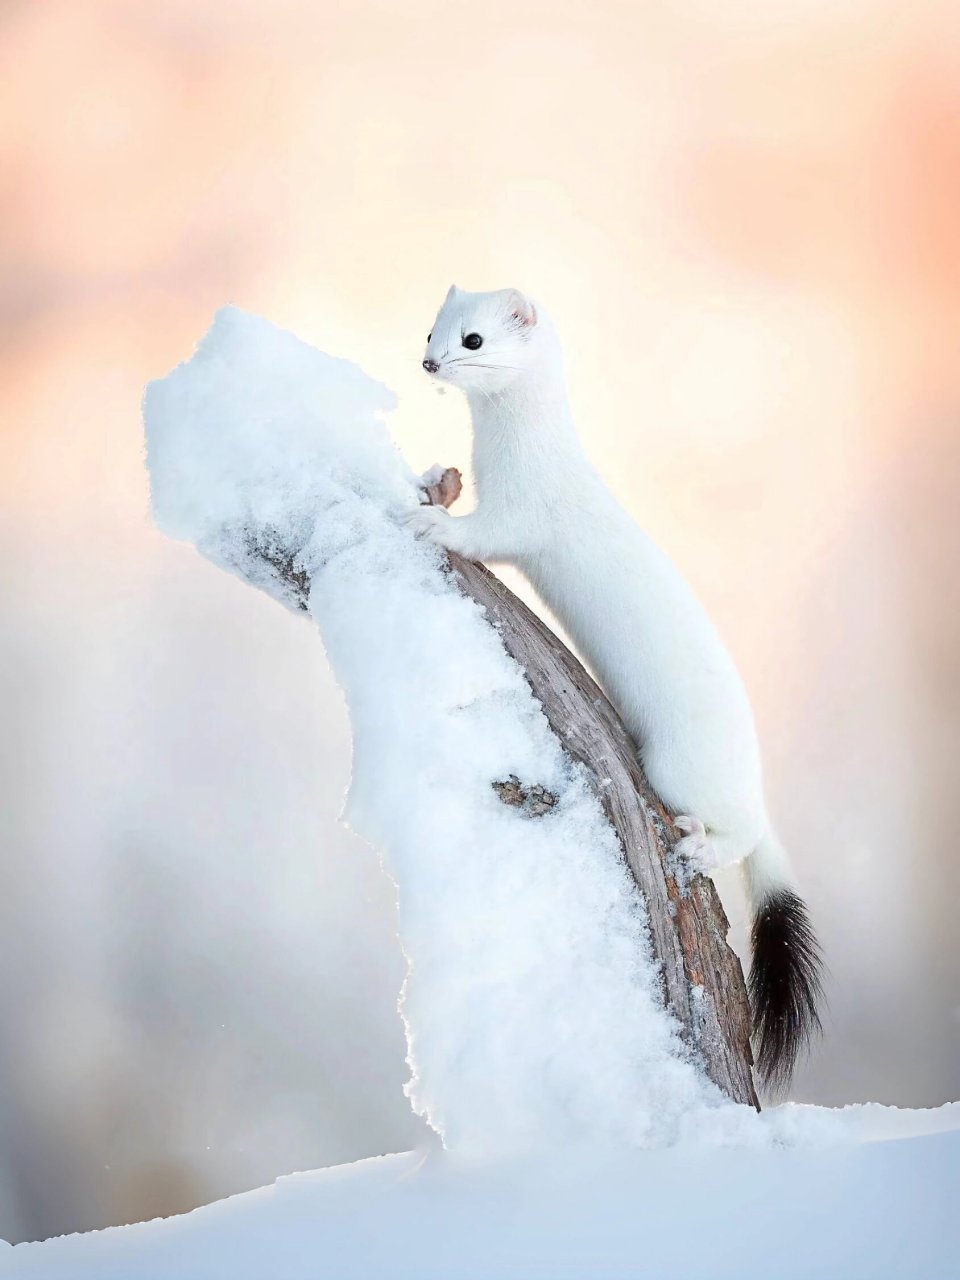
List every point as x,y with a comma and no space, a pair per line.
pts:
577,1138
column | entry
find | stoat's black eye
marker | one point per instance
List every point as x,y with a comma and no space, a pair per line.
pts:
429,335
472,341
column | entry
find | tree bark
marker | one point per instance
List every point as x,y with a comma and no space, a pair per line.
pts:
701,978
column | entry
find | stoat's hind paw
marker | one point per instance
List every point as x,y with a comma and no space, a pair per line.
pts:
691,826
696,848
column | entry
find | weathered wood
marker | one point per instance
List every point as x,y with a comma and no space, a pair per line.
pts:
702,981
701,978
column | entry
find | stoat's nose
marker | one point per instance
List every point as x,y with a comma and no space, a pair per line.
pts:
431,366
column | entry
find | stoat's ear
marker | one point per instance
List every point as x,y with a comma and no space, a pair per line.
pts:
451,293
521,308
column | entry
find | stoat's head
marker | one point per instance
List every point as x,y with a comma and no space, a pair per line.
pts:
482,341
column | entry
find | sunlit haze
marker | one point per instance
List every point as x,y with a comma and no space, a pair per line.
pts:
745,222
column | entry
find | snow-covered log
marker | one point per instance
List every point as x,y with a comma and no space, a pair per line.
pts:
564,977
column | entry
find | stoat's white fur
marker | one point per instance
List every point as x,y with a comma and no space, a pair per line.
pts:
543,508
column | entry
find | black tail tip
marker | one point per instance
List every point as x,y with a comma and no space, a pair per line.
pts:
785,986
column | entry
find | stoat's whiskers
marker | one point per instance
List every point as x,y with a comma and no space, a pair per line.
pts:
476,364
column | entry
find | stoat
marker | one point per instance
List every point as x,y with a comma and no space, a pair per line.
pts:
543,508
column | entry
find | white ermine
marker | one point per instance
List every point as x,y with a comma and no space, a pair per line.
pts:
542,507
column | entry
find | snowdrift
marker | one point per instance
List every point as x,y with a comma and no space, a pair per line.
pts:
859,1209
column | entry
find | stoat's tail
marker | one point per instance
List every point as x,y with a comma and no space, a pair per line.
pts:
785,982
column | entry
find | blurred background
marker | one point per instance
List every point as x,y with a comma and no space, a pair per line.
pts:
745,220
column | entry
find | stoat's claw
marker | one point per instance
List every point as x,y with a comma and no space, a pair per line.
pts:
427,522
696,848
692,826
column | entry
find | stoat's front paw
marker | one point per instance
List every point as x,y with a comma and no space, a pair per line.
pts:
430,523
696,848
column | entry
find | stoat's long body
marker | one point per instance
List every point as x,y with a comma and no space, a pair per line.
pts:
543,508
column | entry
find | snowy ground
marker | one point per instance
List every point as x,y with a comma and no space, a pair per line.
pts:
877,1201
